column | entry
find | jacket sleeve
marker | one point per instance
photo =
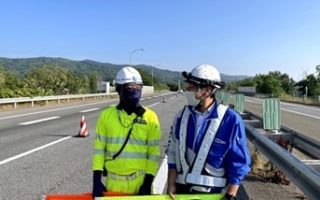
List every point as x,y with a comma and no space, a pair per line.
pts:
238,159
172,142
98,158
154,135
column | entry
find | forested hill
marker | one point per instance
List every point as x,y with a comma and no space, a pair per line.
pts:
106,70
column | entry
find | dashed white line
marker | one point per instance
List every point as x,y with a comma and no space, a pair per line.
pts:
46,145
33,150
52,110
89,110
153,105
39,120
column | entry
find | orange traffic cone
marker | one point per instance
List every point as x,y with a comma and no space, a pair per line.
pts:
83,128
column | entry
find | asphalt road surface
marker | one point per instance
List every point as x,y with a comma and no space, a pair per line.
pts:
39,155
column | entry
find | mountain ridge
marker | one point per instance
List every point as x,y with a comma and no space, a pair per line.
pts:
105,69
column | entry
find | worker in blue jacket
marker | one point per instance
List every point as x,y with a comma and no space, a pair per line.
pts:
208,151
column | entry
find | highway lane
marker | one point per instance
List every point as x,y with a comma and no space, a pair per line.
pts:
301,118
305,110
65,166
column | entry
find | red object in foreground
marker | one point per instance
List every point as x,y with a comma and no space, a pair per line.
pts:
85,196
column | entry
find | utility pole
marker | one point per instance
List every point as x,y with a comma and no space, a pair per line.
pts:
152,76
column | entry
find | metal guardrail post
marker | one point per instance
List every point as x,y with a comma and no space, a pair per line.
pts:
307,179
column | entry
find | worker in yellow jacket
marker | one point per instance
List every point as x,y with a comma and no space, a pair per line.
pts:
126,146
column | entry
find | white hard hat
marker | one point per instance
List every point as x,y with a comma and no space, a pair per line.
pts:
128,75
204,75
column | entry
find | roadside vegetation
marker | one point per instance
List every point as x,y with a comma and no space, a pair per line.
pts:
56,79
277,84
53,79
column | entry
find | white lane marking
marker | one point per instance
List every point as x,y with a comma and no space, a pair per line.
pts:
152,105
89,110
33,150
45,146
160,180
299,113
300,106
39,120
52,110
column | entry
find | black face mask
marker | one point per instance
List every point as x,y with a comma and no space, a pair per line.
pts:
129,99
131,96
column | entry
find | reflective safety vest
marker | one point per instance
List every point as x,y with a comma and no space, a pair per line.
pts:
190,168
140,155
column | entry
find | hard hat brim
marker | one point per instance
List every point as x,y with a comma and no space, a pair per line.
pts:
201,82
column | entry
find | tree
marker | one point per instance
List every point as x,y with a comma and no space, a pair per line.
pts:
93,80
2,77
232,86
147,77
269,84
173,86
10,84
311,83
47,80
248,82
318,72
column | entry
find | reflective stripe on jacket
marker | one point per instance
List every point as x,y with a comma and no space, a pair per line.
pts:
228,156
142,152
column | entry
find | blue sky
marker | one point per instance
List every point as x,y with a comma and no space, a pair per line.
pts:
238,37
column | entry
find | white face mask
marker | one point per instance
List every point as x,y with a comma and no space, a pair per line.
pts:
192,101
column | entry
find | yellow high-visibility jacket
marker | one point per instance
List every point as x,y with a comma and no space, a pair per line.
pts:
142,152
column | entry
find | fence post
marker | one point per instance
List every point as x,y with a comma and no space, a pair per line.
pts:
239,103
271,114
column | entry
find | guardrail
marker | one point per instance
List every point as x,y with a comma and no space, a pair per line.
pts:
303,143
32,100
307,179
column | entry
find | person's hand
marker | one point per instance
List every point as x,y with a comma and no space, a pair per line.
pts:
171,190
145,188
98,187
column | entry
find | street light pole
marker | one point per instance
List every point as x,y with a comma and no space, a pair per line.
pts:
152,76
133,51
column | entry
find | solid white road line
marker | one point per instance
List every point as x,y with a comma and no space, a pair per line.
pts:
299,113
39,120
160,180
89,110
33,150
153,105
